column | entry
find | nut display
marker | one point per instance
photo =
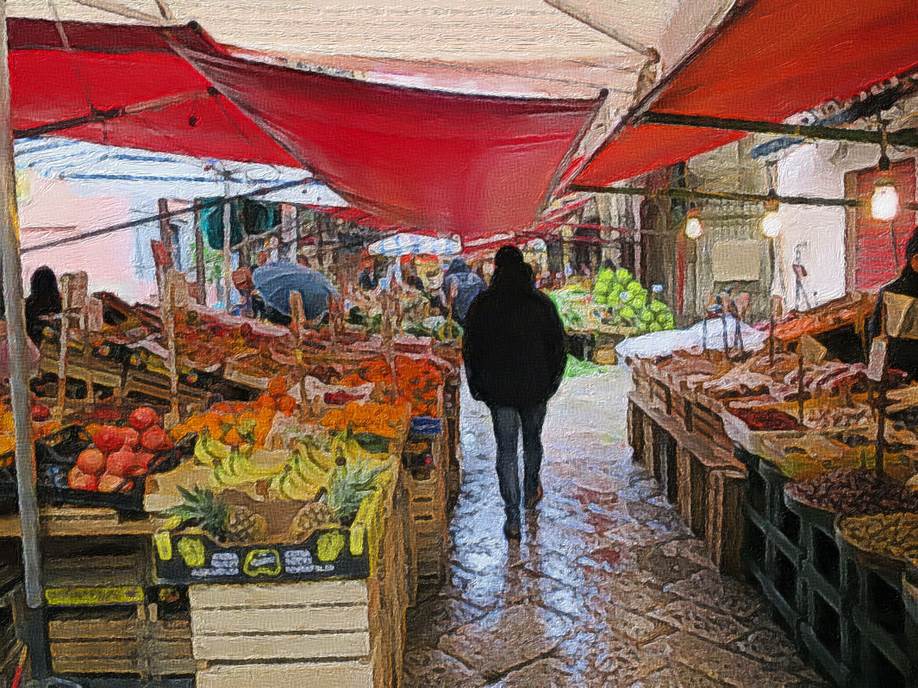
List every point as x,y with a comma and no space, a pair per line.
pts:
890,535
854,492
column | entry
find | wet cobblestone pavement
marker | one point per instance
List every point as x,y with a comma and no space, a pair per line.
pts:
607,588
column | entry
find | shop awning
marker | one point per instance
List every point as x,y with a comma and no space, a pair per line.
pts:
767,61
454,163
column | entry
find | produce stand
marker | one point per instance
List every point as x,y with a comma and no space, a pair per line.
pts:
735,437
251,401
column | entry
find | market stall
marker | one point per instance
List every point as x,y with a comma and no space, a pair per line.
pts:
779,458
197,469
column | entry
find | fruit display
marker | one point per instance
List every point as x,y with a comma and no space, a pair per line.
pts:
118,455
42,425
418,381
384,420
234,517
242,422
629,304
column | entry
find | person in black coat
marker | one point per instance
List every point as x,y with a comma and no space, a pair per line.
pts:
902,353
514,350
42,303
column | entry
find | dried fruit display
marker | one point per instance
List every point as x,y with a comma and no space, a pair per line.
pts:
855,492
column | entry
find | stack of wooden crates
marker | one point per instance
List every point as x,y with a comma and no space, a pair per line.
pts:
104,617
342,633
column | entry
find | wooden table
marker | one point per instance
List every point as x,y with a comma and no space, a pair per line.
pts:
81,522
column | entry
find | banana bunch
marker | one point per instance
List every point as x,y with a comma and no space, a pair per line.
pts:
239,468
345,448
209,451
304,475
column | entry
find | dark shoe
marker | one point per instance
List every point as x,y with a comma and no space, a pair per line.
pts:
534,499
512,529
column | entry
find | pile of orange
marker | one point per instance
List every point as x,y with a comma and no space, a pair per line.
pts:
385,420
419,383
242,422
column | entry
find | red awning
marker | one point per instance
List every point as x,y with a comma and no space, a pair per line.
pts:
454,163
769,60
110,66
448,162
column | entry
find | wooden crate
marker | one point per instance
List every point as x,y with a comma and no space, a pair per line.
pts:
167,648
428,509
347,634
86,573
706,421
316,633
96,641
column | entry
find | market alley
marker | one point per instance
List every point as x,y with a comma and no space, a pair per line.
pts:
607,588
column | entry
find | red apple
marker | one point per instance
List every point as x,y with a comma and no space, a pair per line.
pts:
131,438
141,464
113,483
155,439
40,412
91,461
108,438
143,418
121,463
78,480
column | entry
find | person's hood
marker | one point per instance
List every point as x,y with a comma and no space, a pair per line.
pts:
457,266
516,277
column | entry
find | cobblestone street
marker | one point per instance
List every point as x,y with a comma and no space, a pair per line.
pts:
607,588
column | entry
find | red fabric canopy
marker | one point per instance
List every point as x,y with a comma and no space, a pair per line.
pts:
111,66
447,162
769,60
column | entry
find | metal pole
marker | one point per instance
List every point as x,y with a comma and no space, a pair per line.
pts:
200,275
693,195
227,250
34,630
907,137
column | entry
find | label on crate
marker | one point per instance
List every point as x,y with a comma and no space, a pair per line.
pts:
299,561
93,596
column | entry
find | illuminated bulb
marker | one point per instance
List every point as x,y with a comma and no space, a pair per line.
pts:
771,220
693,227
771,224
884,204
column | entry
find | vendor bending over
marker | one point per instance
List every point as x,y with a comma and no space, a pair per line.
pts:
267,290
903,353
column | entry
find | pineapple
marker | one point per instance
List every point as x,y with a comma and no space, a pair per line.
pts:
226,523
348,486
309,518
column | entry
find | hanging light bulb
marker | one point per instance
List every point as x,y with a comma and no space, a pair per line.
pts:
771,220
884,203
693,226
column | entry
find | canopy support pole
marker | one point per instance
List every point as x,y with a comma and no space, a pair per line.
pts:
906,137
692,195
111,113
34,628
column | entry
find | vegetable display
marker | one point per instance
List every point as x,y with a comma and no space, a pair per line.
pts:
629,304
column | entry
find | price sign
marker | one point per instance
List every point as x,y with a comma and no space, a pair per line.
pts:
876,366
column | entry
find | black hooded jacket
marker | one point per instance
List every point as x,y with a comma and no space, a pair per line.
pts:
514,342
902,353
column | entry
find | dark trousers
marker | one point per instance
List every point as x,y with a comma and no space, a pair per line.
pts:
507,424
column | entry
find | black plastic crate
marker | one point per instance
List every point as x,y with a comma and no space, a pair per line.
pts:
56,454
191,557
